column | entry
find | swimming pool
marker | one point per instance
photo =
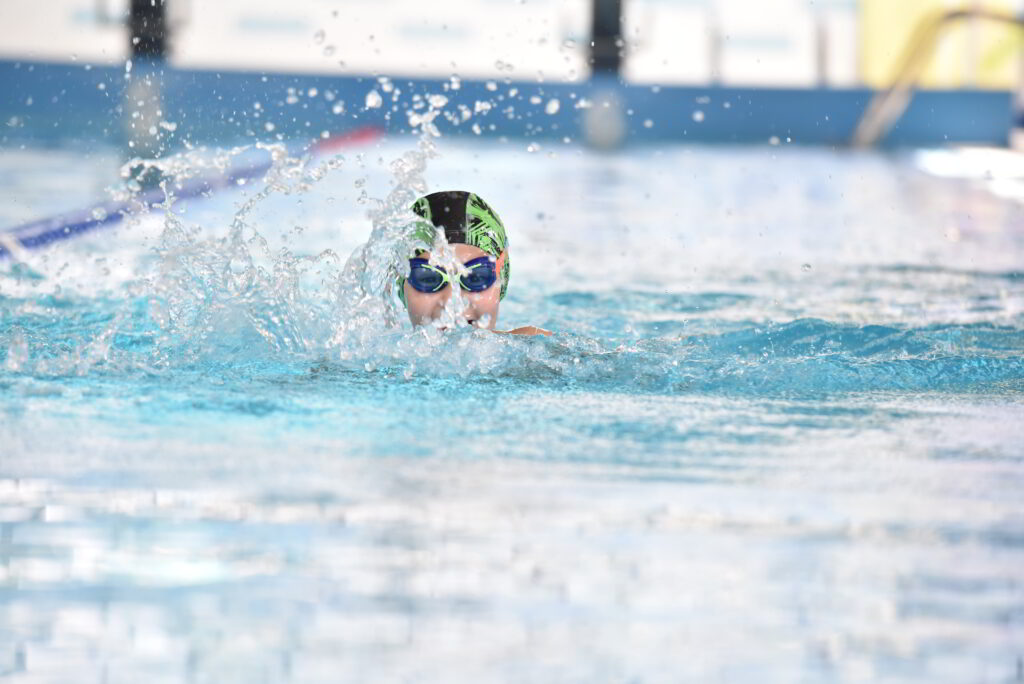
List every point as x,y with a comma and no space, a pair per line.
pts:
777,437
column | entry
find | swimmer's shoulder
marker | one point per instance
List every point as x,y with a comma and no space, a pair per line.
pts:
527,330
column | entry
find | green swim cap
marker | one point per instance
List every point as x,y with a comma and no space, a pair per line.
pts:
465,218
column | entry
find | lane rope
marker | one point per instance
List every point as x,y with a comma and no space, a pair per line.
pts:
41,232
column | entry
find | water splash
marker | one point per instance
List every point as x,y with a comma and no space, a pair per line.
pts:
228,293
208,295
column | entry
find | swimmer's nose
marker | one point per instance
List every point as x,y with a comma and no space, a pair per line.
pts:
470,313
442,301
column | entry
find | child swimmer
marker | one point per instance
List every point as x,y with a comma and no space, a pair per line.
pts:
477,237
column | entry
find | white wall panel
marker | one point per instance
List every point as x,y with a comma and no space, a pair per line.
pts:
741,42
666,42
86,31
840,27
471,38
768,42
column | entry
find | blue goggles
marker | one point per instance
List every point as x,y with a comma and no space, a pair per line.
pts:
425,277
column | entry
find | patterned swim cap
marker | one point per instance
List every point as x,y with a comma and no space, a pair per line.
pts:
465,218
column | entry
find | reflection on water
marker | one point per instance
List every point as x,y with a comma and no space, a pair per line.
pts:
704,538
726,466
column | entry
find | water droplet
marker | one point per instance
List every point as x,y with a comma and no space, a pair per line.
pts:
338,108
481,106
552,106
491,85
476,128
569,43
373,99
533,147
99,213
805,268
101,86
312,92
329,50
319,37
269,127
437,101
454,82
535,99
168,126
698,115
648,123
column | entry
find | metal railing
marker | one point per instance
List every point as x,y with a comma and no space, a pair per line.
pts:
887,106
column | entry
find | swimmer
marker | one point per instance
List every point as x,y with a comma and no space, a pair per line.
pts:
477,237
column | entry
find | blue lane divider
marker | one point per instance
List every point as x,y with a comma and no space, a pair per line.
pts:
41,232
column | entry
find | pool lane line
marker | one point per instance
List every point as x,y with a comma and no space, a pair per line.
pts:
42,232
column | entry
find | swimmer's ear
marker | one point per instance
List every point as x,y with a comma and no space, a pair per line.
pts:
500,263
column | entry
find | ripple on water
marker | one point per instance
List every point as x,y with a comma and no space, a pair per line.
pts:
234,464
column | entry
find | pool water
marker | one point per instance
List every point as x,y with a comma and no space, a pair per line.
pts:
776,437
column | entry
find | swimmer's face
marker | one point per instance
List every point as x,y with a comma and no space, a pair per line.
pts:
481,307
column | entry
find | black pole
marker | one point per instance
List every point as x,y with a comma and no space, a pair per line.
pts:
143,107
606,37
147,27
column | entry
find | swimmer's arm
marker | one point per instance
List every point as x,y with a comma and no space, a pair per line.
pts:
527,330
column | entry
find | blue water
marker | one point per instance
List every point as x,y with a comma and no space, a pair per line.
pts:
777,436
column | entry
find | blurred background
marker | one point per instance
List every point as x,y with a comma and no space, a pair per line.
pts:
722,70
777,436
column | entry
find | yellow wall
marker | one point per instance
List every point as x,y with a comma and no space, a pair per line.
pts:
970,53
